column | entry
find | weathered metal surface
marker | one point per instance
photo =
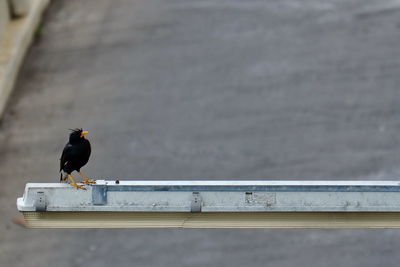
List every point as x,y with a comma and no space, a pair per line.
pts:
218,196
40,201
196,202
99,194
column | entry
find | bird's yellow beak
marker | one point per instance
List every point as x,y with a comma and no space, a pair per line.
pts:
84,133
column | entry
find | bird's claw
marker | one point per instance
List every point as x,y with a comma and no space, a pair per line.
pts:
78,186
89,181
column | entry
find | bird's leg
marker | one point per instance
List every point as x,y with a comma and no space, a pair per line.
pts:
85,179
73,183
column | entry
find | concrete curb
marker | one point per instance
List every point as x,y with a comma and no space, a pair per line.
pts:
15,42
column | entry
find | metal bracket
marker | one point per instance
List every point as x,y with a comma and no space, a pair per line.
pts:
196,202
99,194
40,201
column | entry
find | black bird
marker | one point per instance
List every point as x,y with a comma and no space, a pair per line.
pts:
75,155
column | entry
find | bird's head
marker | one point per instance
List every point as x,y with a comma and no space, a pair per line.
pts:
77,134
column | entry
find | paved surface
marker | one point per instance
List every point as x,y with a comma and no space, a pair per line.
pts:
207,89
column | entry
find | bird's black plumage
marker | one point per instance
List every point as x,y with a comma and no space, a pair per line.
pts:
76,152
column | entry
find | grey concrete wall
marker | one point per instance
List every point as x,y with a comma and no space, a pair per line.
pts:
10,9
20,19
19,8
4,16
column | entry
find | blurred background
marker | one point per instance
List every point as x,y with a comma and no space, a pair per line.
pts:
201,89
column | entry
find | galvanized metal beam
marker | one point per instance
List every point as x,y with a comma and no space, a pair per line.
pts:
216,200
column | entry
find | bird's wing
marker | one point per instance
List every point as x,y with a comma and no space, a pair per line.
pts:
65,155
88,149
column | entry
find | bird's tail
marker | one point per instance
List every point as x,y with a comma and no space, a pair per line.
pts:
63,178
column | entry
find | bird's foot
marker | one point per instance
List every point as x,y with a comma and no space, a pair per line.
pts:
78,186
87,181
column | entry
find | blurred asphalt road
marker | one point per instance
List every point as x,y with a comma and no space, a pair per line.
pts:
174,89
